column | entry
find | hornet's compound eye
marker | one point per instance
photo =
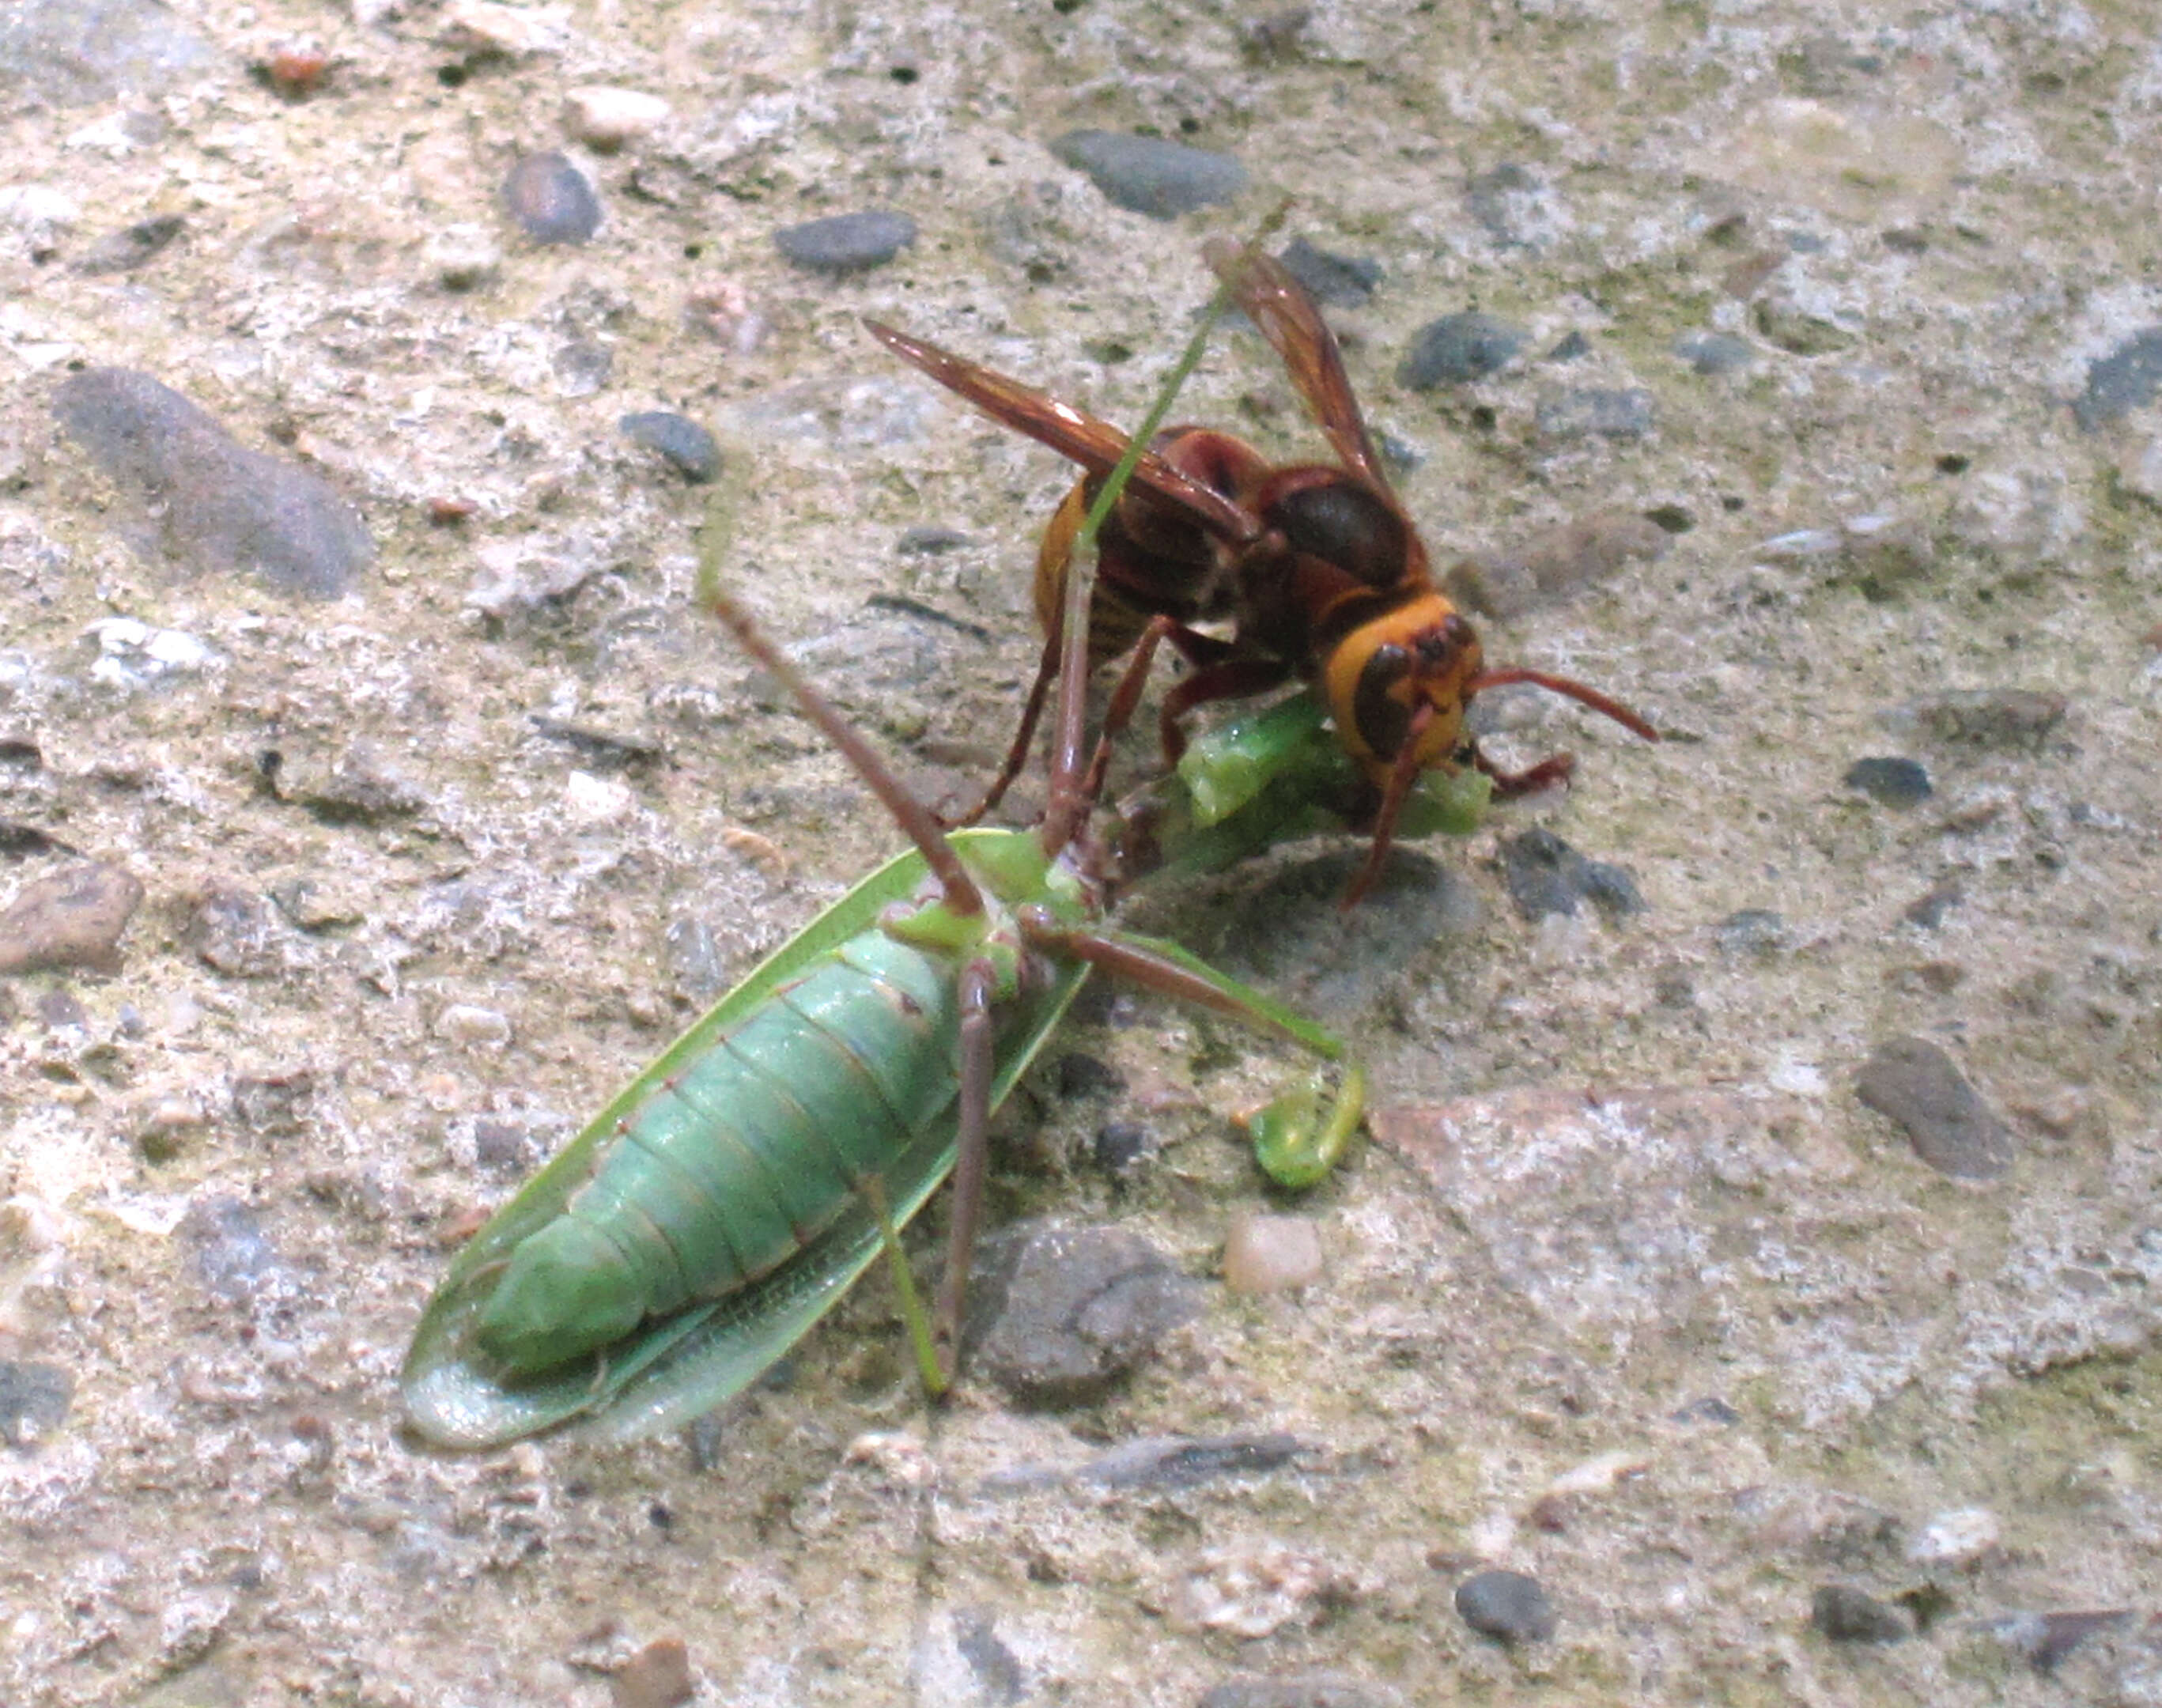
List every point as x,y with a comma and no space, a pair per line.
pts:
1345,523
1382,714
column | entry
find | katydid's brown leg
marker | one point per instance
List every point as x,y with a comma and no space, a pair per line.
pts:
970,1159
1232,679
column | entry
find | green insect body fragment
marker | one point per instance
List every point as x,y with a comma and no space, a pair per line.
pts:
727,1168
714,1211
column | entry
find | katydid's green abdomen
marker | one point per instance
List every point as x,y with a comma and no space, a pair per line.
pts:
727,1168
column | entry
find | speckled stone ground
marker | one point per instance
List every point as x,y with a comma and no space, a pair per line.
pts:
1632,1294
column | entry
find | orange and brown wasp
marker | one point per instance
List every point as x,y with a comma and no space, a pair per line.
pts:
1315,567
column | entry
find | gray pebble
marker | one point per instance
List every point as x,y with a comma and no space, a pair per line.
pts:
274,1104
1066,1311
1753,931
1459,348
236,931
1799,331
1990,718
1156,1461
61,1010
1845,1614
1084,1076
504,1147
1570,347
72,919
1121,1146
1299,1691
1912,1082
1544,874
996,1670
68,52
233,1254
1147,174
847,242
2045,1639
2122,381
583,367
551,200
930,542
1928,909
1713,353
599,749
209,503
1175,1461
131,246
693,957
33,1399
358,786
1342,281
1894,782
1597,413
694,453
1506,1606
1507,200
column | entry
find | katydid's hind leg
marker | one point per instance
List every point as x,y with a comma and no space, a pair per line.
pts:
1295,1140
971,1158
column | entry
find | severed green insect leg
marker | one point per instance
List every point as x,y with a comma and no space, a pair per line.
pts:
1295,1140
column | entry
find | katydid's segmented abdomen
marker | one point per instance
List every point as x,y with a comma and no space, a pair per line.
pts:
730,1165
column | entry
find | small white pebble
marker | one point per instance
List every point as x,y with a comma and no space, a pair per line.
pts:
597,800
603,116
492,27
1596,1476
1271,1254
464,256
466,1023
897,1454
1955,1538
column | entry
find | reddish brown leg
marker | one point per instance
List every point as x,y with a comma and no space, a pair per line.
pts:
1508,785
1229,679
1046,673
1403,774
1126,698
971,1159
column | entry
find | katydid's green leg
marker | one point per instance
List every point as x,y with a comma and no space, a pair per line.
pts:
912,1315
1296,1141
